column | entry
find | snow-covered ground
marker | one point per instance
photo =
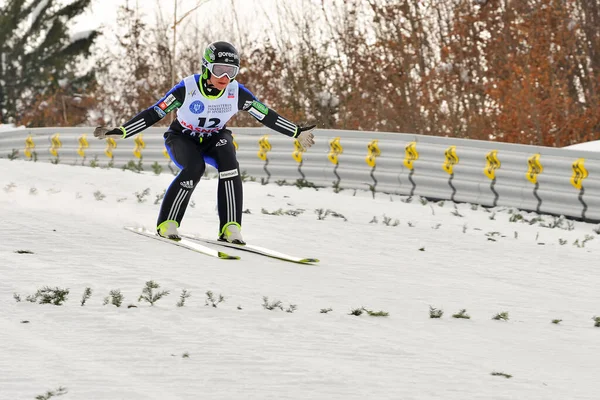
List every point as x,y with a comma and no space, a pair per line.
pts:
58,231
9,127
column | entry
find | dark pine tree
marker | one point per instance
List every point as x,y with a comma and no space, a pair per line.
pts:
38,59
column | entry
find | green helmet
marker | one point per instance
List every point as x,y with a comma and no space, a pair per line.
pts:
220,58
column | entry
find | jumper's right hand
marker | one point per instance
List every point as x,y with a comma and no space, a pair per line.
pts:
101,133
305,137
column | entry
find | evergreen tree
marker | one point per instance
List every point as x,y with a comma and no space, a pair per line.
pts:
38,59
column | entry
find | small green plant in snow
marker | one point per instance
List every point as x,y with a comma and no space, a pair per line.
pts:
50,394
149,295
183,297
98,195
87,293
462,314
502,316
435,313
141,197
212,300
115,297
271,305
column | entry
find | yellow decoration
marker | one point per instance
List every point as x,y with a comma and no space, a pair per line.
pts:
411,155
451,159
83,144
535,168
110,145
166,154
56,144
297,154
234,143
373,153
29,146
139,146
335,149
492,164
579,173
265,147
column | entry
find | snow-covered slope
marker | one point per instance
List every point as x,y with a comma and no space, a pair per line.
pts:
62,226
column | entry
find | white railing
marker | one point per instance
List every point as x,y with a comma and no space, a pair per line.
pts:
545,180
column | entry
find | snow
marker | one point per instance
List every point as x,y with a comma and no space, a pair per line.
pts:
440,255
37,10
9,127
587,146
81,35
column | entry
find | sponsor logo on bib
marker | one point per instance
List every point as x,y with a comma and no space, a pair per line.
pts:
197,107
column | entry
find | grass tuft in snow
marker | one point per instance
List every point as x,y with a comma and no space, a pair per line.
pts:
379,313
556,321
160,197
183,297
291,308
157,168
322,214
23,251
303,183
597,322
133,166
356,312
47,295
435,313
271,305
98,195
149,295
503,316
462,314
507,376
14,155
456,213
141,197
387,221
50,394
359,311
326,310
87,293
115,297
211,300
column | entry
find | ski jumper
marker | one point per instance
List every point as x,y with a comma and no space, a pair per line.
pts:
199,135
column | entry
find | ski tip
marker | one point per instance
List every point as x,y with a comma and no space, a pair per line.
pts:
308,261
226,256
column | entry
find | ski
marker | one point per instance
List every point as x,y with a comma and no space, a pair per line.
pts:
254,249
188,244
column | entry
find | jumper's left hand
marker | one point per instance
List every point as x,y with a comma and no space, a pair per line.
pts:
305,137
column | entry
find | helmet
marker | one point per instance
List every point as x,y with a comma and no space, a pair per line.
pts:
220,59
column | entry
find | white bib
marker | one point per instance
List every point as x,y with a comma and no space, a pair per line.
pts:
202,116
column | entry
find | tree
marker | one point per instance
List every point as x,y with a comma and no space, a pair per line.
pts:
38,59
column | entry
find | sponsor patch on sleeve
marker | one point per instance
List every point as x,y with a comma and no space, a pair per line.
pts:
159,111
256,114
260,107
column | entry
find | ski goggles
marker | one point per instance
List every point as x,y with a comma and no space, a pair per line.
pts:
220,70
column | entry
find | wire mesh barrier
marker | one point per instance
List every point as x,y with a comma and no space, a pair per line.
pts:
541,179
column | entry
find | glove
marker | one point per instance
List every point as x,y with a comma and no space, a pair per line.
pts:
305,136
101,133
